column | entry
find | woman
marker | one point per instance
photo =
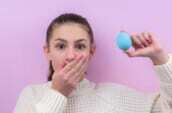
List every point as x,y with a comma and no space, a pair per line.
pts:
69,47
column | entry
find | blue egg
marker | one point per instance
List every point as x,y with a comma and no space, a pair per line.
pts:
123,40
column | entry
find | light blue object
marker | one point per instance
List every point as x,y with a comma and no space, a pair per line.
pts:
123,40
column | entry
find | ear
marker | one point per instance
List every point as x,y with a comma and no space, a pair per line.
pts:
47,52
92,50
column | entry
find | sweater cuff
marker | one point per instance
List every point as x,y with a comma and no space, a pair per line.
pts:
52,102
164,71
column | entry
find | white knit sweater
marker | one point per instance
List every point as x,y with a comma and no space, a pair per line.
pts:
99,98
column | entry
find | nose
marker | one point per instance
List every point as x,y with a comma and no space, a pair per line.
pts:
71,54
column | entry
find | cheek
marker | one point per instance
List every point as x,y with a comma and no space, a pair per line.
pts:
85,53
57,61
57,64
59,58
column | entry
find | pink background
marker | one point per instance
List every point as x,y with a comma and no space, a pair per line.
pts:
23,25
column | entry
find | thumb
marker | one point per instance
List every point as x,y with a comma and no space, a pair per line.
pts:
132,53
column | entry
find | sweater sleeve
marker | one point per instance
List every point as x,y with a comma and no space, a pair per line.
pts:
163,102
51,102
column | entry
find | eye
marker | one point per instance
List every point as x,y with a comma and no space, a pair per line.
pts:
60,46
80,46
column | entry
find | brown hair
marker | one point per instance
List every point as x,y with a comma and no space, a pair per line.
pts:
62,19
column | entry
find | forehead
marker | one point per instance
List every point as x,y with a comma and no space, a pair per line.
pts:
70,31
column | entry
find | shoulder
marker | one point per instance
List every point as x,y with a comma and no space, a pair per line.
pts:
114,88
34,91
114,91
124,97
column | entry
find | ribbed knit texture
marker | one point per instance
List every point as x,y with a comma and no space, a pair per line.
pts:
99,98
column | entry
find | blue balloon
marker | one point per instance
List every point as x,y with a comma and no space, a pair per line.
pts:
123,40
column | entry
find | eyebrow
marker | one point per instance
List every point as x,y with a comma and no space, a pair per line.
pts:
60,39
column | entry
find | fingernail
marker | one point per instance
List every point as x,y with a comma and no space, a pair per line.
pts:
80,57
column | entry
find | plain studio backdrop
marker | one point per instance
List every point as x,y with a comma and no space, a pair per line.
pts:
23,27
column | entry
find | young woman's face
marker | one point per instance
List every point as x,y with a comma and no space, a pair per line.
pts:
68,41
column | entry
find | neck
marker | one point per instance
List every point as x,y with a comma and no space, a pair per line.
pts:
82,77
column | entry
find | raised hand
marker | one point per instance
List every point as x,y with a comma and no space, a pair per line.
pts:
66,80
146,45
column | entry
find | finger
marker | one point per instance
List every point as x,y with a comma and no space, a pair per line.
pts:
70,65
81,71
147,37
132,53
143,40
152,37
74,74
76,67
83,68
80,64
136,41
136,47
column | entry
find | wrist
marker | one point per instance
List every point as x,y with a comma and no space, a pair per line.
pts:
160,58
